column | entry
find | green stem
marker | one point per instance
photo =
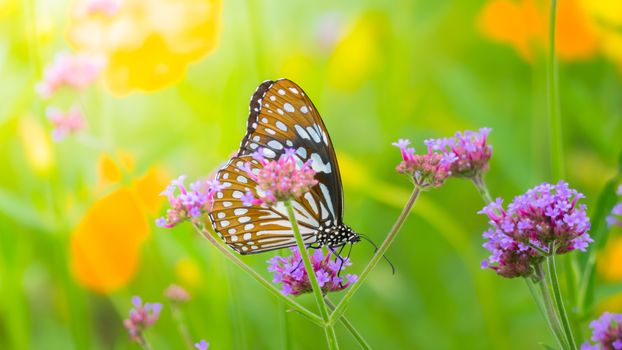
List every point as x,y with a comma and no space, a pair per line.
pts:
377,256
548,308
142,341
331,336
559,302
480,184
181,325
557,159
269,286
350,327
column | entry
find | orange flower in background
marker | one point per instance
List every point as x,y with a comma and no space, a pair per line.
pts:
106,243
148,43
523,24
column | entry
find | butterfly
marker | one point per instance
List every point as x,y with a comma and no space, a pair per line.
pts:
281,116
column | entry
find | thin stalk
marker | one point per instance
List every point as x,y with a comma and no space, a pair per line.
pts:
181,325
377,256
329,330
557,158
550,313
350,327
559,302
142,341
478,181
269,286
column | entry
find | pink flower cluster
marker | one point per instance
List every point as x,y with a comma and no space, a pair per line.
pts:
291,273
141,317
189,203
67,70
606,333
543,215
426,170
65,123
469,149
615,218
279,180
104,7
176,294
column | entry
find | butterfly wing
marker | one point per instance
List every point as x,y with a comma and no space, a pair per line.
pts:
281,116
254,229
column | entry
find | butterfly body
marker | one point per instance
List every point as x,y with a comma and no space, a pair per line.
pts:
281,117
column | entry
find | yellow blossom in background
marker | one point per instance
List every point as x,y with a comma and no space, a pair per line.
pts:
149,44
187,271
523,24
148,189
105,245
606,21
357,53
610,260
36,144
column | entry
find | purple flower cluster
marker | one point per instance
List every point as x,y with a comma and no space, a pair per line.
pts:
73,71
426,170
615,218
543,215
190,203
141,317
606,333
291,273
201,345
279,180
469,149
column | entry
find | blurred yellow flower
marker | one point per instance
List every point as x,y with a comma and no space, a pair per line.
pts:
36,143
610,260
523,24
357,54
148,43
606,21
105,245
148,188
188,272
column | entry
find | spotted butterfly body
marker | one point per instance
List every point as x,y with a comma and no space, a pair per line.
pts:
281,116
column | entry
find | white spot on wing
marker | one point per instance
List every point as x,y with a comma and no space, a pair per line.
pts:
281,92
304,109
275,144
281,125
268,153
247,236
242,179
288,107
240,211
314,134
326,195
318,165
301,132
301,151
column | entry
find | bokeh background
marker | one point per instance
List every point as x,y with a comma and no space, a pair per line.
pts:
77,233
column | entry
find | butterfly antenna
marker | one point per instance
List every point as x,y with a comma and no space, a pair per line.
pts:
376,249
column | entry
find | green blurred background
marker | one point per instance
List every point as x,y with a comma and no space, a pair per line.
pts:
377,72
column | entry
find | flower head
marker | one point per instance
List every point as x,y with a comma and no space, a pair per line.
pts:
279,180
65,123
606,333
291,273
188,203
141,317
72,71
201,345
176,294
615,218
426,170
470,151
543,215
91,7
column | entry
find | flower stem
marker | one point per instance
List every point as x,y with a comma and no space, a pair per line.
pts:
557,159
331,336
350,327
269,286
181,325
548,308
142,341
377,256
480,184
559,302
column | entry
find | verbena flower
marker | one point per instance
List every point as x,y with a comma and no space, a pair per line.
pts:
470,149
65,123
201,345
606,333
292,275
189,203
543,215
279,180
177,294
615,218
72,71
426,170
141,317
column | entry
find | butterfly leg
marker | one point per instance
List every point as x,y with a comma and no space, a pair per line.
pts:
312,246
